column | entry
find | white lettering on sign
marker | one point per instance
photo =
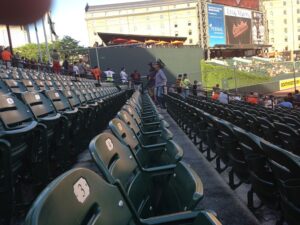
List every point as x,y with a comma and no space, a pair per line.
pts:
56,94
81,190
10,101
30,83
37,97
109,144
237,12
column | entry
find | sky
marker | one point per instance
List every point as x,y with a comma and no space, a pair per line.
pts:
69,17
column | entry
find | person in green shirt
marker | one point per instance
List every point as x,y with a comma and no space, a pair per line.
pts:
186,83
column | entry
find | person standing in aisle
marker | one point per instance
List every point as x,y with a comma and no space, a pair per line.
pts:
123,75
186,83
55,60
160,83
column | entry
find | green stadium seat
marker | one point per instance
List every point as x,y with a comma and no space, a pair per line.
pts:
286,169
153,191
82,197
261,177
160,153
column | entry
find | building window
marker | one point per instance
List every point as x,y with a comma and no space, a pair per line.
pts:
298,20
298,11
190,32
175,25
286,39
298,1
284,2
284,12
298,29
298,37
285,30
189,23
285,21
176,34
191,41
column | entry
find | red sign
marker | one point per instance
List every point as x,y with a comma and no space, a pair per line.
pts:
248,4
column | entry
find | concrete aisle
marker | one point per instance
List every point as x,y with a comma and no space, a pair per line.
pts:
217,194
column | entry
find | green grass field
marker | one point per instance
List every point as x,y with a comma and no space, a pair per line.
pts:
215,74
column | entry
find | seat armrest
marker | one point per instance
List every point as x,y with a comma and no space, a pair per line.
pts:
184,217
154,146
160,170
154,132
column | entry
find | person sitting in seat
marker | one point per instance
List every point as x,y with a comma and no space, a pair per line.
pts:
215,95
297,98
286,103
252,98
223,97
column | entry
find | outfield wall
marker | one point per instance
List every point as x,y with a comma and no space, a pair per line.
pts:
177,60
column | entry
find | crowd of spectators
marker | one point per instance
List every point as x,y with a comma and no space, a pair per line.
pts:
271,68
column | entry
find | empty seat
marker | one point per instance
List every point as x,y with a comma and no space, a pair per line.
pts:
158,192
167,152
88,199
18,155
286,169
261,178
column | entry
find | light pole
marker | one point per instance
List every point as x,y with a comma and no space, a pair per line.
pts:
292,55
234,74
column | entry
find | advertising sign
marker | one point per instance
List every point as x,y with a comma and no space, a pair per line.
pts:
248,4
238,26
288,83
216,26
258,29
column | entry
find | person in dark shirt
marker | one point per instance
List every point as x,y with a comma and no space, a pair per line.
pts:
290,98
66,65
136,79
195,88
151,80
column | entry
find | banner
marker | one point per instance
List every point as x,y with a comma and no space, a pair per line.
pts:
258,28
216,26
238,26
248,4
288,83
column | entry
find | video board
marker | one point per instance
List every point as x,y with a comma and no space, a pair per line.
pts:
234,26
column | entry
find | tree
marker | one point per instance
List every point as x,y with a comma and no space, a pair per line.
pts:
66,46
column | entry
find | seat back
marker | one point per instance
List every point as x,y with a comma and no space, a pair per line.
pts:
13,113
285,165
40,105
79,197
128,119
289,136
113,158
59,100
